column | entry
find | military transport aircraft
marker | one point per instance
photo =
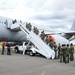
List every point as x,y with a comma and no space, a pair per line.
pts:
17,35
15,31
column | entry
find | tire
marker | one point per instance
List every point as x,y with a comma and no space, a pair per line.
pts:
16,50
31,53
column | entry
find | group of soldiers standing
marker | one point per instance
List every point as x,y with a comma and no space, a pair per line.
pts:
66,53
63,52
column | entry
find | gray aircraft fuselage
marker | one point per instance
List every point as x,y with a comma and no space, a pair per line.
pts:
8,35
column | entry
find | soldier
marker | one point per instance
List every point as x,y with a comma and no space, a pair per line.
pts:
71,52
55,49
51,44
59,48
37,31
14,21
61,54
3,48
46,40
34,29
67,54
42,35
8,49
27,25
30,27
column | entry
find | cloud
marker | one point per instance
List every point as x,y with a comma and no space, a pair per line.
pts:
6,5
47,17
59,13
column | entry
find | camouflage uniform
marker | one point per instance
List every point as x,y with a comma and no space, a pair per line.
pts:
36,31
64,53
28,26
46,40
55,49
3,48
59,48
67,54
51,44
71,52
42,35
61,54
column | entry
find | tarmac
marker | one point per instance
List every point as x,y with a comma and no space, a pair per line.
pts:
18,64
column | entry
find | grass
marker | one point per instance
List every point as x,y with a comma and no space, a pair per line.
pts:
1,43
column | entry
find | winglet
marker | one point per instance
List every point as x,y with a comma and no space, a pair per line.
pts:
73,26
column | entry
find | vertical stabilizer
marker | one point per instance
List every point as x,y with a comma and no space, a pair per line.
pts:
73,26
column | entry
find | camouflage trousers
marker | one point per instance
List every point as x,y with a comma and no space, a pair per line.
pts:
67,59
61,58
71,57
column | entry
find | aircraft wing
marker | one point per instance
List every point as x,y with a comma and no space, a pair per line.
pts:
67,34
70,33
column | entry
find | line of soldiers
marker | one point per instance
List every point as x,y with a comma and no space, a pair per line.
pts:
29,27
63,52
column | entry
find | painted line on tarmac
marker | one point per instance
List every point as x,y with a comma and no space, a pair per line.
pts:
43,73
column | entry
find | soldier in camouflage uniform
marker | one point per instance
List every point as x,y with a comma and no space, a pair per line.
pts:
51,44
46,40
67,54
59,48
61,54
28,26
55,49
71,52
64,52
36,31
42,35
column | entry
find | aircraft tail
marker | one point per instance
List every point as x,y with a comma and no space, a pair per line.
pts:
73,26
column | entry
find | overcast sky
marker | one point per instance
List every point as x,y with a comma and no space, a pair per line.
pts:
52,13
